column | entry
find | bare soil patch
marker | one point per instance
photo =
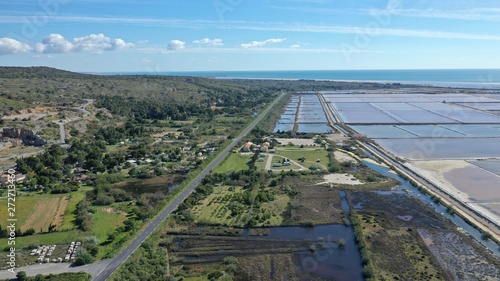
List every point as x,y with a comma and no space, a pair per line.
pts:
298,142
340,179
59,218
43,214
343,157
314,203
435,172
338,138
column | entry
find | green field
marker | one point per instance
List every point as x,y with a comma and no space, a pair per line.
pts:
276,208
212,209
24,207
233,162
216,208
53,238
310,155
69,215
105,221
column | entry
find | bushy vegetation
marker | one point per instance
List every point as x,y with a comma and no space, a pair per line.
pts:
80,276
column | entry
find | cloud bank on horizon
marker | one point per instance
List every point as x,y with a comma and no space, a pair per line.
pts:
198,35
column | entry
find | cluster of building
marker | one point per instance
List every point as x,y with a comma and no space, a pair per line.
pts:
251,147
189,155
17,178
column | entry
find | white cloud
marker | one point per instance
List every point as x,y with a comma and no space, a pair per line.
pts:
255,44
296,46
175,45
92,43
12,46
210,42
54,43
478,14
95,43
119,44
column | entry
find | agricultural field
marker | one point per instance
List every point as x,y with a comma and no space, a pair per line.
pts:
38,211
234,162
47,213
226,206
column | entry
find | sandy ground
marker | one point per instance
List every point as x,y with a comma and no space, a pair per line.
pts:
305,142
34,113
343,157
338,138
8,156
478,188
434,171
340,179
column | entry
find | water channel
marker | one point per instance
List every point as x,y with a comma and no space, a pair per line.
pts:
329,260
408,188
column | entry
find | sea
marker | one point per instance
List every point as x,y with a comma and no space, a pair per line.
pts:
456,78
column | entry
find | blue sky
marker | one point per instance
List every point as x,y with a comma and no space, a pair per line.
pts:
206,35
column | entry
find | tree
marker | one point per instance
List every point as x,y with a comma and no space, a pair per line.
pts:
84,258
22,276
215,275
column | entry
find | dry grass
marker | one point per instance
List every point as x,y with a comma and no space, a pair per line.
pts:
45,213
59,218
318,204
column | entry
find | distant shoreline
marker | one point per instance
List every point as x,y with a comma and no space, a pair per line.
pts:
453,78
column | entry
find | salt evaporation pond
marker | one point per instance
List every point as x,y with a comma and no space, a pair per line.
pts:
314,128
477,130
483,105
431,131
283,127
366,117
443,148
490,165
310,119
383,131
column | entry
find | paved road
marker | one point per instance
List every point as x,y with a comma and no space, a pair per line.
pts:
127,252
56,268
61,123
103,269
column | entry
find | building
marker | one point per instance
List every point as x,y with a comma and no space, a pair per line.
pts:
247,147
